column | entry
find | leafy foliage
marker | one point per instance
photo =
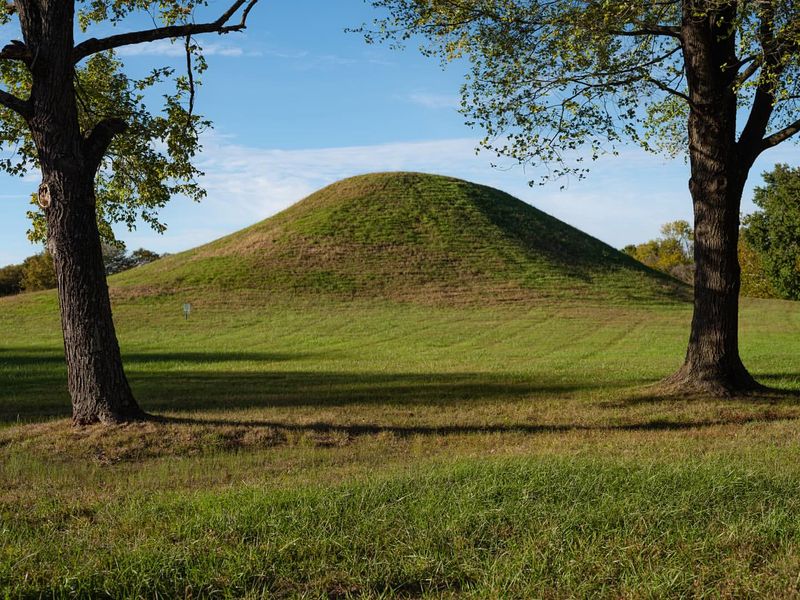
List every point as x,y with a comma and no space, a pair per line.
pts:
560,82
774,231
671,253
756,282
151,161
10,280
116,259
38,273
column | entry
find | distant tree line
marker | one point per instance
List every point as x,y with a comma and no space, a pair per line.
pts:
769,241
672,253
37,272
774,231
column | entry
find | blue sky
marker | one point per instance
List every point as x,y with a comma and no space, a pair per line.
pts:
297,104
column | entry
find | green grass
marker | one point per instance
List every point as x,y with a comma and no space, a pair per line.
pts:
396,450
465,414
506,528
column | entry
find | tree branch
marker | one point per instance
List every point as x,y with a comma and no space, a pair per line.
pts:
18,105
97,141
643,30
764,101
220,26
665,88
753,65
780,136
757,121
16,50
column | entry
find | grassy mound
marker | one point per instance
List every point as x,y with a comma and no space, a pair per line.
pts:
408,237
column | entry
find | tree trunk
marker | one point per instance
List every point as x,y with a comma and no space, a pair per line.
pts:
712,362
97,383
69,161
718,175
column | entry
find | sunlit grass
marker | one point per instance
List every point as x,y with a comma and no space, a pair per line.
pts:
379,449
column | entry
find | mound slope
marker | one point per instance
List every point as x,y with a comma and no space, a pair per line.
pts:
407,236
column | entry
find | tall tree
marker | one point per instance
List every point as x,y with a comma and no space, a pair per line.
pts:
756,282
550,78
774,230
11,280
69,110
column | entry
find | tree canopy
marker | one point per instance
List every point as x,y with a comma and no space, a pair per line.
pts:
671,253
38,273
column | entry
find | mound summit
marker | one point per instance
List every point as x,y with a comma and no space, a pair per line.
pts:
407,237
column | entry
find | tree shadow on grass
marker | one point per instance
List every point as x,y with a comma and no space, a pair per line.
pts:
33,384
47,357
771,380
33,387
403,431
243,390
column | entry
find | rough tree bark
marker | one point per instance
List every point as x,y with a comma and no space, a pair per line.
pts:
69,163
719,171
97,383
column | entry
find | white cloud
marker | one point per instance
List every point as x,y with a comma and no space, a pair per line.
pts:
259,182
176,49
435,101
304,60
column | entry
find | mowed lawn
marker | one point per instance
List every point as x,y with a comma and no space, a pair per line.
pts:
389,450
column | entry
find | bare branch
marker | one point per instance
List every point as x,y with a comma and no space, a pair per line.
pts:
753,65
18,105
220,26
190,77
782,135
665,88
99,139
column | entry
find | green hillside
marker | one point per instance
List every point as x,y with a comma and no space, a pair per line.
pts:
407,236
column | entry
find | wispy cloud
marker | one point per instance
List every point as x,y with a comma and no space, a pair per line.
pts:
624,200
435,101
259,182
170,49
247,184
617,203
305,60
